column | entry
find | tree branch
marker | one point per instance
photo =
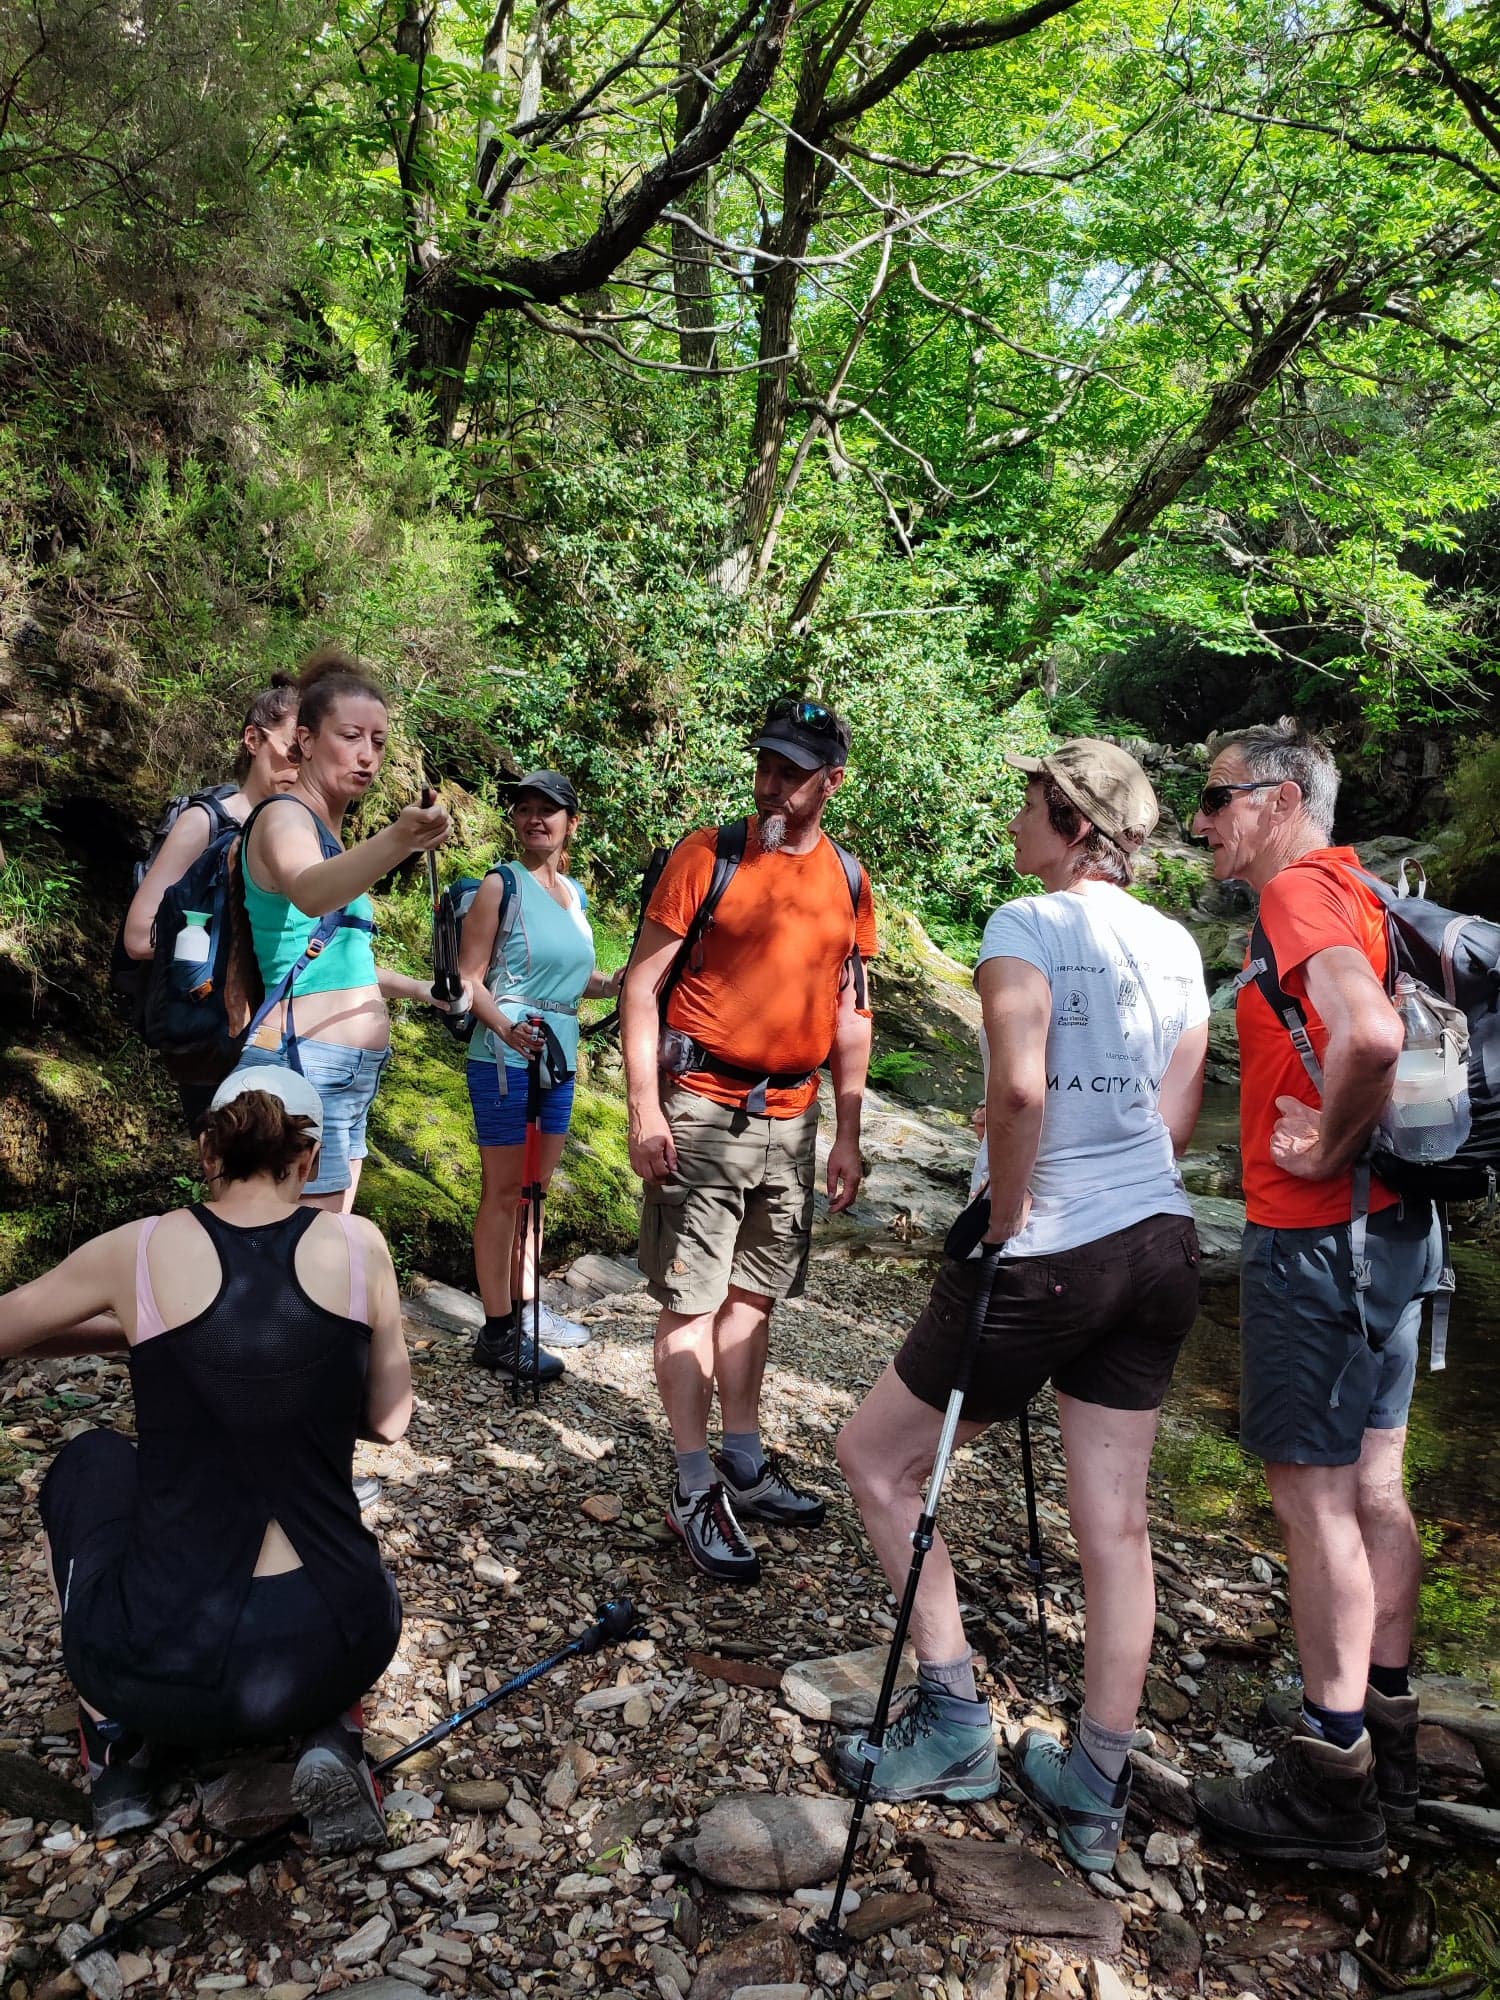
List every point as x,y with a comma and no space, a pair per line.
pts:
941,38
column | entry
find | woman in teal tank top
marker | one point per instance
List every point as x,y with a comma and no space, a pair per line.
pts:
538,970
296,870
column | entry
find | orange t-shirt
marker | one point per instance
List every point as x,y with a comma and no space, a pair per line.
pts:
767,993
1309,907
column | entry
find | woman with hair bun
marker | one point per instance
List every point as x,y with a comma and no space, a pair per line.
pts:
264,764
216,1584
334,1026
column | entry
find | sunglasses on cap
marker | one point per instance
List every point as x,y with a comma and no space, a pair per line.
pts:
806,714
1213,798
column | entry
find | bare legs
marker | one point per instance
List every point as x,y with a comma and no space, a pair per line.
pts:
696,1351
502,1168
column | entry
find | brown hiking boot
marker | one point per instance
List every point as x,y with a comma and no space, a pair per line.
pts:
1312,1802
1392,1723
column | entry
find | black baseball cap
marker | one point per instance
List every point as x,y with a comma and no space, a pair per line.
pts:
805,731
551,784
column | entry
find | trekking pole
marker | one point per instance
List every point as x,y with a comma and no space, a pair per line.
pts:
616,1622
1034,1550
446,984
529,1224
826,1935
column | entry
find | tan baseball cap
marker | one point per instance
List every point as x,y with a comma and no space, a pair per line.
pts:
1104,782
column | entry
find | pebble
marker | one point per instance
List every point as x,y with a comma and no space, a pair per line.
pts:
1132,1871
489,1570
1163,1851
416,1805
1192,1663
1261,1570
364,1943
415,1856
1164,1895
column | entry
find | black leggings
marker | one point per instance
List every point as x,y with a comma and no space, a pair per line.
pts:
288,1669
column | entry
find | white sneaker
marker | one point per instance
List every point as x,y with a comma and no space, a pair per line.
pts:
557,1331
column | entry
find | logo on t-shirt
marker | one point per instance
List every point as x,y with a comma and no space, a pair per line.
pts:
1128,994
1075,1010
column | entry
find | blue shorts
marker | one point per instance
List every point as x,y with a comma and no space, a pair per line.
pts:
346,1080
500,1120
1312,1380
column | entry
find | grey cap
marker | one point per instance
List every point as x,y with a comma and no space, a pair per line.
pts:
552,785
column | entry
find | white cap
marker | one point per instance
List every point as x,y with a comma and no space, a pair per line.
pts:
295,1092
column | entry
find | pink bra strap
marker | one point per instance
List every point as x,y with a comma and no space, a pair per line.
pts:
148,1319
356,1269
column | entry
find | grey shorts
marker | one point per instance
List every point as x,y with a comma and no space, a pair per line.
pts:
1311,1382
738,1210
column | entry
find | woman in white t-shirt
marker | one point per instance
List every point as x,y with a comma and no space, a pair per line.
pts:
1095,1030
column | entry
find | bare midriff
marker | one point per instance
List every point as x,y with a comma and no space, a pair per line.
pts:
355,1017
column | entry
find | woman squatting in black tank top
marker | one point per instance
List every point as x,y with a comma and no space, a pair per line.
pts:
215,1582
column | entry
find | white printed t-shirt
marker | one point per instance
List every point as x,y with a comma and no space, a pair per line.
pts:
1126,983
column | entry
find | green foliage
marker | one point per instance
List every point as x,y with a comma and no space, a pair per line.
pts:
897,1066
1205,1477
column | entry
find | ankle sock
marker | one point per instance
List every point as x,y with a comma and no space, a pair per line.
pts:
950,1677
106,1742
695,1472
1393,1682
1341,1727
1108,1750
745,1455
498,1329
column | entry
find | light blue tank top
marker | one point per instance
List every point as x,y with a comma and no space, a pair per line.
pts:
542,969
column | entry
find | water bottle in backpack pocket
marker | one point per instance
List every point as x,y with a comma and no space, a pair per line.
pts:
192,951
1428,1116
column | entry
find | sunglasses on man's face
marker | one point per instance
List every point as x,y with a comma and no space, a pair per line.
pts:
1213,798
806,714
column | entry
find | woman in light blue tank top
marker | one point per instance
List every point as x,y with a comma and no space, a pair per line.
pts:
527,973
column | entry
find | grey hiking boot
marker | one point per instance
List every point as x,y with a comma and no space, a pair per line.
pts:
939,1747
772,1497
711,1535
559,1331
1089,1822
1312,1802
333,1789
1392,1723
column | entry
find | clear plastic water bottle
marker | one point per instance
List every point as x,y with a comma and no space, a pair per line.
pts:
1428,1115
191,951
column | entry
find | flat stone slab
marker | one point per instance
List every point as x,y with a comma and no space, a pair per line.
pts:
1221,1226
445,1306
249,1800
605,1275
30,1791
1468,1711
844,1687
885,1912
764,1842
1012,1889
764,1955
1477,1824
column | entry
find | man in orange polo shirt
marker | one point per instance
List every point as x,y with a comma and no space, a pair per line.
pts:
1328,1336
724,1117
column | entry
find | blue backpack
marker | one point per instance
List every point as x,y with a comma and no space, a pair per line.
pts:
211,1009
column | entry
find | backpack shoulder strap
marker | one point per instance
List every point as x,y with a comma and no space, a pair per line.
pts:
854,878
729,851
1261,971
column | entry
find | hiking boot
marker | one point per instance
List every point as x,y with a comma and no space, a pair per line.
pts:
772,1497
128,1786
366,1490
1392,1723
558,1331
333,1789
1089,1823
711,1535
939,1747
508,1353
1312,1802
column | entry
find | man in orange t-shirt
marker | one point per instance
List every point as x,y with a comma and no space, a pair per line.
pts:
1328,1339
724,1116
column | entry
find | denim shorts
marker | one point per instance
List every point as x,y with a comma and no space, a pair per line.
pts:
500,1116
346,1080
1312,1379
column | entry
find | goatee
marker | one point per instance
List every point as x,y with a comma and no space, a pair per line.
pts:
772,832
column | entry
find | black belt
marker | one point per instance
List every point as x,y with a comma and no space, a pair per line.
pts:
760,1080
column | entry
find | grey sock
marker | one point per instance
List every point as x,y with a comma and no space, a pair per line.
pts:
746,1455
695,1472
1108,1749
952,1677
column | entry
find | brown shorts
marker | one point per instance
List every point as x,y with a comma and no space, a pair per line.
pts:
738,1210
1103,1323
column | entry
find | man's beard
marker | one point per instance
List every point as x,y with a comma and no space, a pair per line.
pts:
773,831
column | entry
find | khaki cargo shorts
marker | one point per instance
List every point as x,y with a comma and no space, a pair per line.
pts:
738,1210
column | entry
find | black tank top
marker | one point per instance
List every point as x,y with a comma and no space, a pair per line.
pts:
245,1415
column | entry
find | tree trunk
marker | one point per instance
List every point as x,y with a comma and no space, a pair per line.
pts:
692,277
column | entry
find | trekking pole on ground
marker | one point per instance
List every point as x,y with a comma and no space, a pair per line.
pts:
616,1622
826,1935
1034,1548
529,1222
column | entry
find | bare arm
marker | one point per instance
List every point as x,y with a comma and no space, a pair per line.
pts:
187,840
1017,1003
93,1280
652,1154
1181,1097
388,1398
849,1063
285,857
1359,1065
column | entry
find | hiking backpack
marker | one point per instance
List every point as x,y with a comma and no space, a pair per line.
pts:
213,1009
128,976
1456,958
455,903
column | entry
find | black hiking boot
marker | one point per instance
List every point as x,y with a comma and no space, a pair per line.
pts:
334,1790
509,1353
1392,1723
129,1787
1312,1802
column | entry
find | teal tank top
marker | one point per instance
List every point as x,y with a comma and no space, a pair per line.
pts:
280,931
543,969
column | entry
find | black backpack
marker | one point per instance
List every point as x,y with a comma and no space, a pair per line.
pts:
1458,958
211,1010
128,976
